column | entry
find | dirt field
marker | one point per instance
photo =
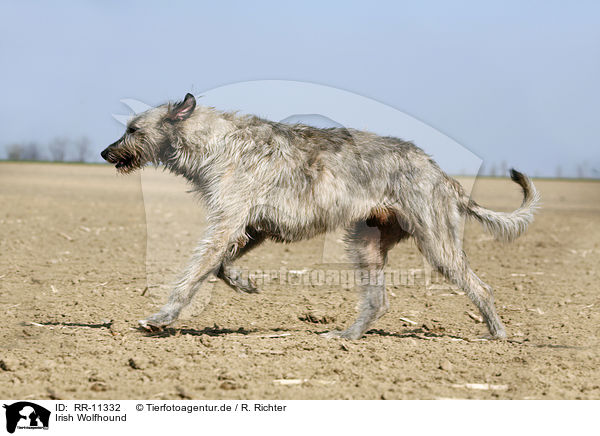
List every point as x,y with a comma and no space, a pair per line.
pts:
82,259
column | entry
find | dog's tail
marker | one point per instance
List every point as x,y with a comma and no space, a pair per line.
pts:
507,226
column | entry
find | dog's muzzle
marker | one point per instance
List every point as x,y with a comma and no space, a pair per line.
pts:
109,155
115,155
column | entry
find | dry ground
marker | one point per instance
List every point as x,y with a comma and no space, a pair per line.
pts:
82,259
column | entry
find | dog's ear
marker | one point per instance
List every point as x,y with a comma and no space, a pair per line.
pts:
182,110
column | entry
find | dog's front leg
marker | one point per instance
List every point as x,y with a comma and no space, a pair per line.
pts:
208,257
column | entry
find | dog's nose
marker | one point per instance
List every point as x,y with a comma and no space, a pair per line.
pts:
104,153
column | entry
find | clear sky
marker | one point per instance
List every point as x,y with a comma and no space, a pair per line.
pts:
514,81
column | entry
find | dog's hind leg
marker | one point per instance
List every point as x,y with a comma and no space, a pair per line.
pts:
207,259
443,250
231,275
368,243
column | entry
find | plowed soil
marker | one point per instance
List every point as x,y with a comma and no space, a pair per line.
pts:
85,253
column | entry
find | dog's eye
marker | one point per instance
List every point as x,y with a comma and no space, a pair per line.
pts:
131,130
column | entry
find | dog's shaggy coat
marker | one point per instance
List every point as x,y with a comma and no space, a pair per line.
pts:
262,179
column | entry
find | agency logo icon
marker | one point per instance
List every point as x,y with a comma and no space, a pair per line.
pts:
26,415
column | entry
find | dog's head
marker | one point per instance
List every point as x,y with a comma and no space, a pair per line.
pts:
149,136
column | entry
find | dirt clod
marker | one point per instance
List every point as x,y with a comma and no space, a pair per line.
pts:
98,387
229,385
446,365
314,317
135,364
9,364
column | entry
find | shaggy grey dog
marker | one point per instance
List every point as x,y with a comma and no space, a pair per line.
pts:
267,180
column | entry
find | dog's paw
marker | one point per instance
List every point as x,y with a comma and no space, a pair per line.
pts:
235,282
245,288
491,337
498,336
157,322
344,334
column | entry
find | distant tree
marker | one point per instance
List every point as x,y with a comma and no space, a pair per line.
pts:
82,148
15,151
58,149
582,170
558,172
503,168
31,151
20,151
493,170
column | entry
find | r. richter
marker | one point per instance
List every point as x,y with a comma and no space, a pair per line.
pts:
269,408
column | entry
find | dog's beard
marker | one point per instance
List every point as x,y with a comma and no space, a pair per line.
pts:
124,162
127,165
